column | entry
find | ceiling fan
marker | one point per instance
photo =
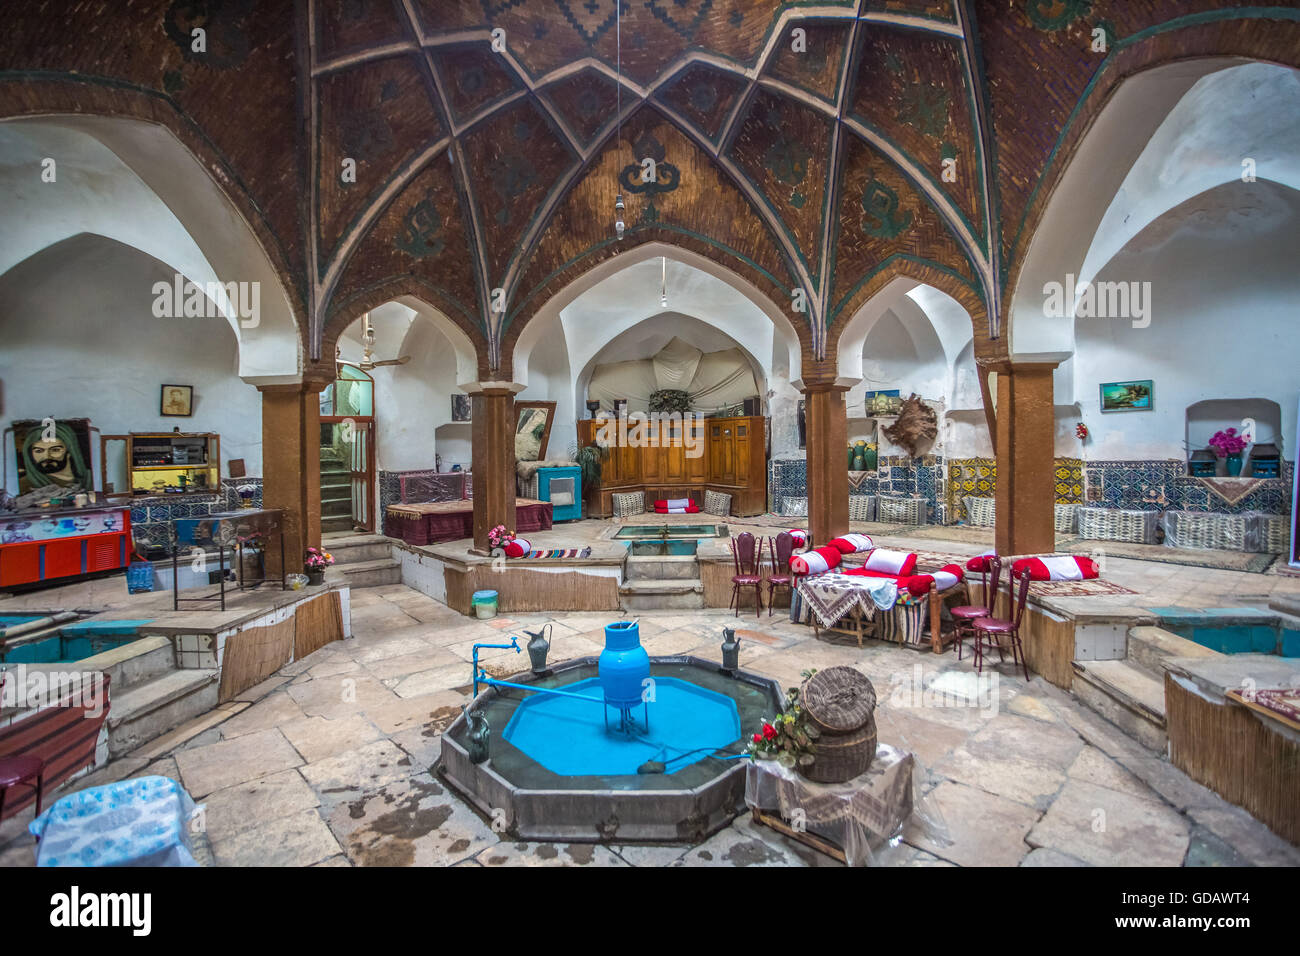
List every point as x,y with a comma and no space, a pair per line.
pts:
367,356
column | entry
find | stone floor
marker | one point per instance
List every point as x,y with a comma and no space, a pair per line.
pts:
328,762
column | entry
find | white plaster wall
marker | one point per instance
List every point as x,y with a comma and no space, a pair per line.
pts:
549,380
136,183
81,341
1223,326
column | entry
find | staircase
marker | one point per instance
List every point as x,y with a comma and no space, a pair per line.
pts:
661,582
1130,692
362,560
335,492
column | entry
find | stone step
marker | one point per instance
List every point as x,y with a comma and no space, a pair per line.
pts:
1150,647
332,507
362,547
1126,695
335,523
662,594
368,574
661,567
148,710
335,480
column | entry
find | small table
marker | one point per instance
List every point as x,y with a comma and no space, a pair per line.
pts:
227,529
843,820
140,822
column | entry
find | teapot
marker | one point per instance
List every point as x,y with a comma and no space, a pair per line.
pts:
538,646
476,741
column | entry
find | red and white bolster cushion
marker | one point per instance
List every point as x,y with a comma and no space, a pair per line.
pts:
853,543
1065,567
816,561
800,538
980,562
948,577
517,548
882,561
676,506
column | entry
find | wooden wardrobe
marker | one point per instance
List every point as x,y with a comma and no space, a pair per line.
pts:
734,462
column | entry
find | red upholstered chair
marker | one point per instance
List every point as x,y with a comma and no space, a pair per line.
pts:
746,554
21,770
781,548
964,617
990,629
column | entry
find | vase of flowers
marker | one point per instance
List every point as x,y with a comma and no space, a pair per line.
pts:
1228,445
316,562
499,536
246,493
789,738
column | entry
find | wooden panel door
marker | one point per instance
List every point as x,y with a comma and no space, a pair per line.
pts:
650,453
672,454
697,468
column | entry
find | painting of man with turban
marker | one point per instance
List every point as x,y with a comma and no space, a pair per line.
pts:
57,456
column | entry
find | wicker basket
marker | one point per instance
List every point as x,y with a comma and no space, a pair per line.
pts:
840,702
1206,529
862,507
1067,518
981,512
900,510
1114,524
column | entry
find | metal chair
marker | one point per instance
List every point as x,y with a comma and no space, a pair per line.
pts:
746,555
965,616
993,628
782,549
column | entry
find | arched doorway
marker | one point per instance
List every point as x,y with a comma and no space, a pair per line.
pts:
347,451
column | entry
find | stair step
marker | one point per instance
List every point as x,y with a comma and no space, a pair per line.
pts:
336,522
1150,647
662,593
148,710
1126,695
656,567
370,574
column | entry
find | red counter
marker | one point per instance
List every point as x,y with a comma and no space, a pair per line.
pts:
44,545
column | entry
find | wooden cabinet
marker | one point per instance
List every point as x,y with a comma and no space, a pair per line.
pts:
655,459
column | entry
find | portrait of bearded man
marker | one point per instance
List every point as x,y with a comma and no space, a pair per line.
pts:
57,460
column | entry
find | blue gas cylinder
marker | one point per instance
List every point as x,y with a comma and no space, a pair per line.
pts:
624,665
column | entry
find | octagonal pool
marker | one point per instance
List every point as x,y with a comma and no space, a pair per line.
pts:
558,770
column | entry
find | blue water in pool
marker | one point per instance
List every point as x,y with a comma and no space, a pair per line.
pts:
72,642
568,736
1232,630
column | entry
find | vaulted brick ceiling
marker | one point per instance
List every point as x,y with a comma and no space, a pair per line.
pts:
490,137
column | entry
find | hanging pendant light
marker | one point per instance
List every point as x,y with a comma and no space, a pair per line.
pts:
619,225
663,284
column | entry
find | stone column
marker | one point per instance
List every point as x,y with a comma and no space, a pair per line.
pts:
291,468
1025,442
493,468
828,474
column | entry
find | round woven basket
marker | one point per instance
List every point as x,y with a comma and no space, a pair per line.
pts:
840,702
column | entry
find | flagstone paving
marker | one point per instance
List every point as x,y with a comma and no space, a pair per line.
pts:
333,765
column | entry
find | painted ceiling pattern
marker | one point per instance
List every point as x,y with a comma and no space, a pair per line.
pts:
469,151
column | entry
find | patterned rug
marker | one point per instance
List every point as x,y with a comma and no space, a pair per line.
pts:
557,553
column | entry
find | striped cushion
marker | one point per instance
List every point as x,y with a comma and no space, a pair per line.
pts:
884,561
853,543
815,562
518,548
1061,567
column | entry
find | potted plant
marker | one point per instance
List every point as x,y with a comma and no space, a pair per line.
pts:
317,561
589,459
1228,445
499,536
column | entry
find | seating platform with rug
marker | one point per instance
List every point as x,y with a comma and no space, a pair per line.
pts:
435,521
888,596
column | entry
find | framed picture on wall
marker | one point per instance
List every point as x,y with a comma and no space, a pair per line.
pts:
1136,396
460,407
177,401
53,453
